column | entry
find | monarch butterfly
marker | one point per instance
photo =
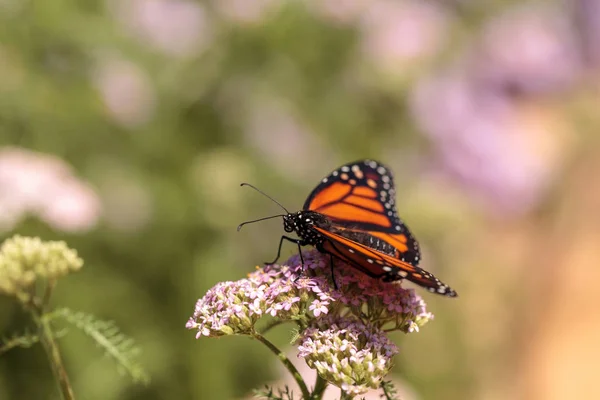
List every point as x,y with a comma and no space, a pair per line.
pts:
351,215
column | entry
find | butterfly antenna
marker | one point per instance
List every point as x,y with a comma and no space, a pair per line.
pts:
257,220
267,196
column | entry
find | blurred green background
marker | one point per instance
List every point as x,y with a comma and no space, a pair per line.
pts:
127,126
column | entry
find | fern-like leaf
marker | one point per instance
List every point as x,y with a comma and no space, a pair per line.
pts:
389,391
295,336
24,340
268,393
107,336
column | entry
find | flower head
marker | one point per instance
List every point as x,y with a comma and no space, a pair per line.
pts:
342,332
24,260
348,353
287,292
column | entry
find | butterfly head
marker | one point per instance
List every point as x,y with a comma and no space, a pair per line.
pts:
289,223
303,223
298,222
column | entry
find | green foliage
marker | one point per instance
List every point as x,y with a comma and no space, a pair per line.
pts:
30,270
169,183
108,337
272,394
389,391
24,340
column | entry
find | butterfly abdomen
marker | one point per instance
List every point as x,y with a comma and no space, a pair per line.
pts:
369,240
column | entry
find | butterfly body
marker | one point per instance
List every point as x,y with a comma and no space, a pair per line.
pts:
303,223
351,215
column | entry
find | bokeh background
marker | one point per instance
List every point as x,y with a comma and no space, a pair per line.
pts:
127,126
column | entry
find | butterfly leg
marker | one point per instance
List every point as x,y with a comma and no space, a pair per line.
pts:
289,239
300,252
301,260
335,286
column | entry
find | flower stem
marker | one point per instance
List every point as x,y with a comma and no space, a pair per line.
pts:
345,396
270,325
49,288
320,386
47,337
286,362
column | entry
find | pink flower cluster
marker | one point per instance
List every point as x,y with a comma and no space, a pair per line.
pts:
279,291
342,332
348,353
43,185
288,292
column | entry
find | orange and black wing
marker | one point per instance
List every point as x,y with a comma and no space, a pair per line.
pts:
361,196
378,264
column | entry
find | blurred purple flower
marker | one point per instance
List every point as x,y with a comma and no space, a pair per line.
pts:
274,129
126,90
175,27
400,31
340,11
480,133
243,11
527,49
483,140
587,18
45,186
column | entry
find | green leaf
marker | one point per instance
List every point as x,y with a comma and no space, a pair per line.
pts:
108,336
24,340
389,391
268,393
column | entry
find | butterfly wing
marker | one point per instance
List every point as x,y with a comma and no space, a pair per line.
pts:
361,196
361,193
378,264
